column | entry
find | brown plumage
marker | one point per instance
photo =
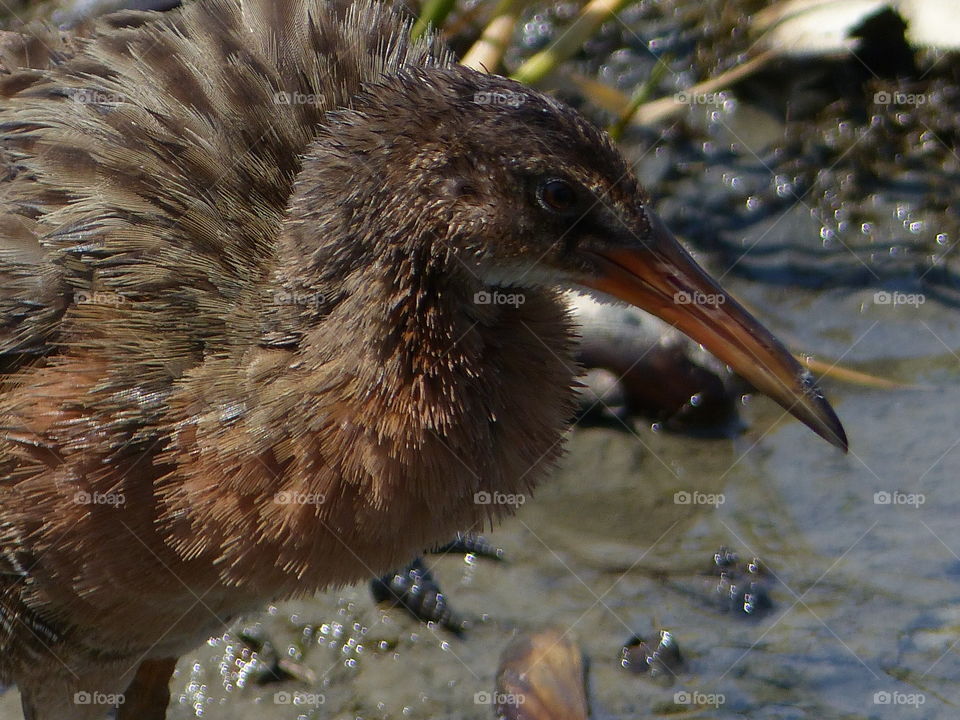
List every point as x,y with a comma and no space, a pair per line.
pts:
240,253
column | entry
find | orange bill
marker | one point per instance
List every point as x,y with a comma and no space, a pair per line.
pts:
659,276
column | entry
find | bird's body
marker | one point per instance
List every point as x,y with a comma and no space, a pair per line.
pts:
243,349
165,380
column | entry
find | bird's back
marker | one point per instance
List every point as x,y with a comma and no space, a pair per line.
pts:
147,166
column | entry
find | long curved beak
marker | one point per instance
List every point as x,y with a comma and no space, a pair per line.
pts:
659,276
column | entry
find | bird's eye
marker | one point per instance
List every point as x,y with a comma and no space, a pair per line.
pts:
557,196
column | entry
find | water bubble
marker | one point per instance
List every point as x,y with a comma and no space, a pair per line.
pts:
784,189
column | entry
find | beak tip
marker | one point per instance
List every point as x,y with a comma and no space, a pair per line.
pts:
825,423
838,438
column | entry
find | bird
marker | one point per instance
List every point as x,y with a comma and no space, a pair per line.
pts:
281,304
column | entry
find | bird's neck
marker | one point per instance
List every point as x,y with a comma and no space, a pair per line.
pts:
406,400
421,338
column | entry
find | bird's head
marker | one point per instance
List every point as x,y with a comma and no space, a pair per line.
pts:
513,189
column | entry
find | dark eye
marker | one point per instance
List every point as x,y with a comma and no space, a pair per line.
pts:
557,196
